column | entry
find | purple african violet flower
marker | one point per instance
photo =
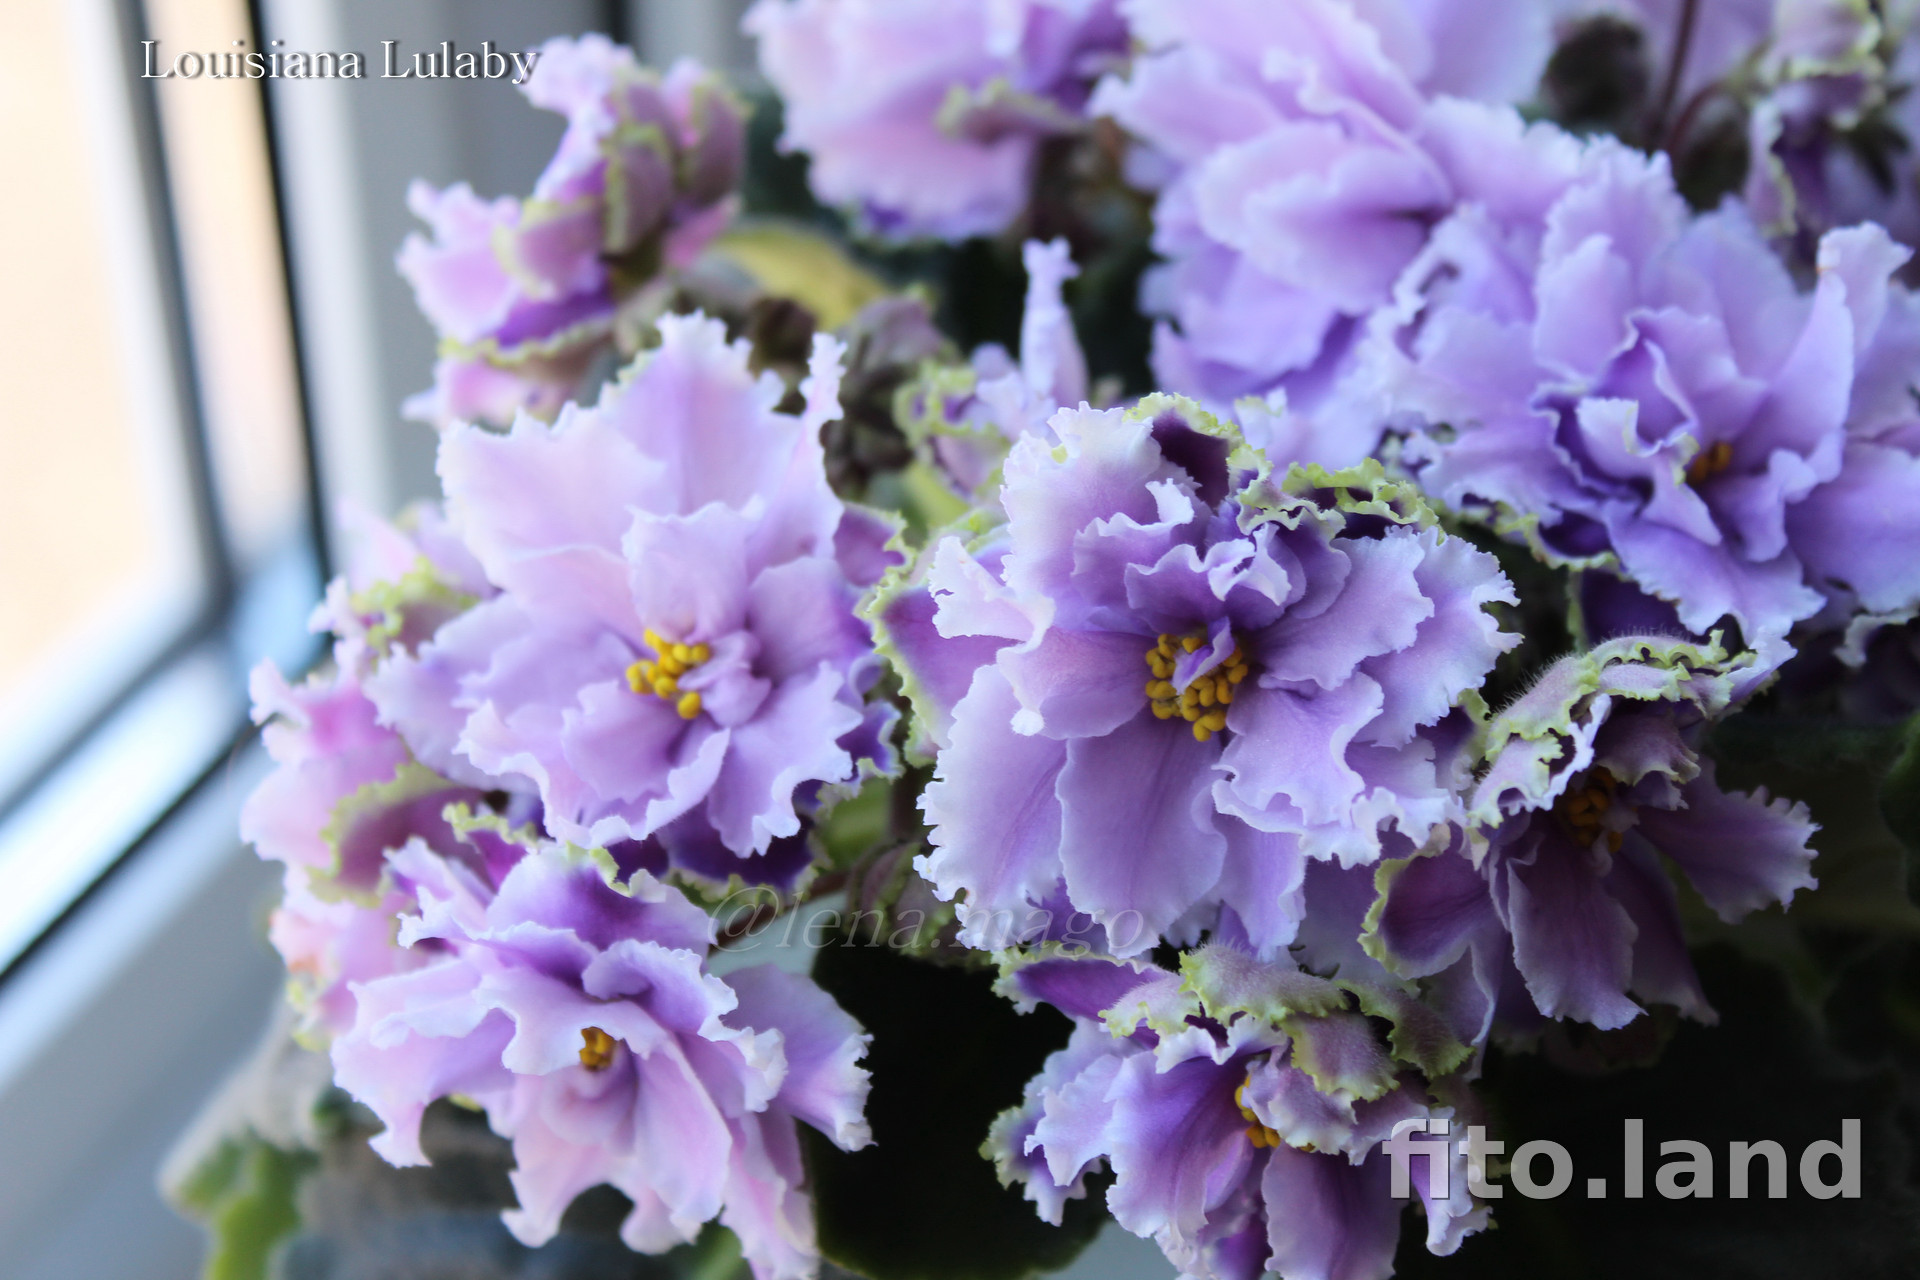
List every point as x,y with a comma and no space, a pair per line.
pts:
1166,682
345,789
673,636
1831,133
334,937
1641,391
344,793
1295,182
1240,1106
1017,399
927,115
1593,776
328,945
524,294
967,417
326,745
579,1014
403,581
327,749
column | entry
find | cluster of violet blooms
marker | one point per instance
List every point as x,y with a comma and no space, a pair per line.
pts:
1198,674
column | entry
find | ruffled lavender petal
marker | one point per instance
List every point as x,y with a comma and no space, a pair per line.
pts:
1662,970
1137,832
824,1083
1327,1219
1741,851
995,818
1179,1145
942,142
1571,938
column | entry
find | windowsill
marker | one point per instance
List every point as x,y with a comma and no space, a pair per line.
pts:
115,1029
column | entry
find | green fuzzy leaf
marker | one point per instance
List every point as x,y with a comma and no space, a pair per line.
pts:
925,498
244,1193
948,1056
714,1256
1766,1072
1229,981
856,827
1846,773
789,260
1342,1055
888,901
209,1183
1420,1036
1900,790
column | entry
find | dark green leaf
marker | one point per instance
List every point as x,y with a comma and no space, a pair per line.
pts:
856,827
1766,1072
1836,767
1900,791
250,1209
947,1056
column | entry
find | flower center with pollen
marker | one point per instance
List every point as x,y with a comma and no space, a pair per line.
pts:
1584,809
1710,462
1204,702
661,677
1258,1134
596,1049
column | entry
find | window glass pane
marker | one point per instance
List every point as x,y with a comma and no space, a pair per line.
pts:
218,172
99,562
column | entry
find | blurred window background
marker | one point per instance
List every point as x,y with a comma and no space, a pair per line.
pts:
157,528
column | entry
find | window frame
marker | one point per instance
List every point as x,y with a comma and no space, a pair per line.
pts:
128,771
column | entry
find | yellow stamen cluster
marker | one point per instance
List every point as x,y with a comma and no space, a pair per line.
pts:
1710,461
596,1049
1258,1134
661,677
1202,704
1583,809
